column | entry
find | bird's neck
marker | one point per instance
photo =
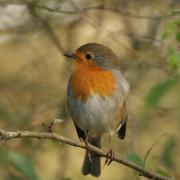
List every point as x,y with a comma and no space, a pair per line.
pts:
90,80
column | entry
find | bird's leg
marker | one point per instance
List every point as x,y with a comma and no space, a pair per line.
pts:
110,154
87,145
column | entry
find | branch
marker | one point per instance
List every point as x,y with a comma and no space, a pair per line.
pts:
5,135
102,8
46,26
17,2
89,8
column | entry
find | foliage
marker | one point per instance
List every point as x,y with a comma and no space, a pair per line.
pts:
171,29
173,60
135,158
22,163
157,92
167,153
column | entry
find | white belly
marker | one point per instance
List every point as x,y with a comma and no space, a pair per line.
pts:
96,115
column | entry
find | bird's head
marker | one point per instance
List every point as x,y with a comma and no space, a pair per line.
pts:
94,55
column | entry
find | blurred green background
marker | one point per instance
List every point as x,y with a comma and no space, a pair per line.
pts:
144,34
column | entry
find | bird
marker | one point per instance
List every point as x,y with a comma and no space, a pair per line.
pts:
97,98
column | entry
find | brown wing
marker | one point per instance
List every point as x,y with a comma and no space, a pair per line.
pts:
121,120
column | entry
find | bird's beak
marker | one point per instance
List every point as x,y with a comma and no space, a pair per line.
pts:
69,55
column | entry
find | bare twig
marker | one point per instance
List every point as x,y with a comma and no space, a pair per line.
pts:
45,24
102,8
85,9
5,135
18,2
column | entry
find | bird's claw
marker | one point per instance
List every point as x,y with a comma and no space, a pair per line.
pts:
110,157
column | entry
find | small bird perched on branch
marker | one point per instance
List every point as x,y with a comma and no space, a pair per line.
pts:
97,99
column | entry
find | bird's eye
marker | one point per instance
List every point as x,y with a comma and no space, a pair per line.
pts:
89,56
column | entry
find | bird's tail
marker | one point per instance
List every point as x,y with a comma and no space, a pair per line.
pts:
92,164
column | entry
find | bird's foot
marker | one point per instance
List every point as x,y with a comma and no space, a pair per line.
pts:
110,157
88,151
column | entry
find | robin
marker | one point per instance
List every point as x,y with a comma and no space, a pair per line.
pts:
97,99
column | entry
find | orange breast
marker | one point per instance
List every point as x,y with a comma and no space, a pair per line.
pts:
90,79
